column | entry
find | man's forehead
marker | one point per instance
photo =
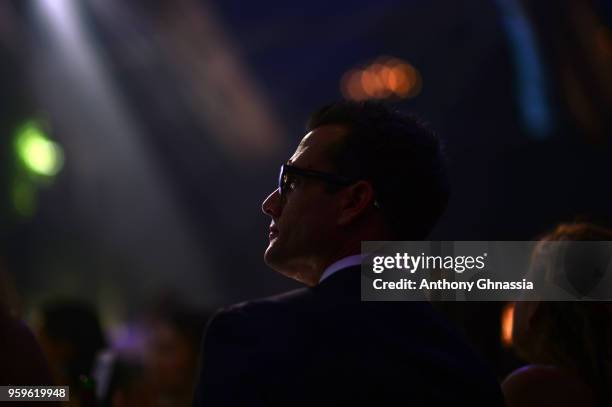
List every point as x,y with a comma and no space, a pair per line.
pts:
316,145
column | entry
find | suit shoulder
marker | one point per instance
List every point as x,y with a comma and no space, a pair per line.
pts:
553,385
268,304
259,323
262,309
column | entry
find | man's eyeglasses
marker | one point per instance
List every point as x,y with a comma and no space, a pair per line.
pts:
284,178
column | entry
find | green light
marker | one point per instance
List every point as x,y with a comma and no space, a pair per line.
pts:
37,152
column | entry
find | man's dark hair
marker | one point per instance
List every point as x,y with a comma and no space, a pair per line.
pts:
400,157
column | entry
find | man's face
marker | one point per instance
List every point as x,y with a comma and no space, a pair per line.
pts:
303,227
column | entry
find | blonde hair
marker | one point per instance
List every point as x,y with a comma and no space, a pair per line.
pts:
576,335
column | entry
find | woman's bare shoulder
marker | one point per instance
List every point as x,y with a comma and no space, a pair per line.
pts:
538,385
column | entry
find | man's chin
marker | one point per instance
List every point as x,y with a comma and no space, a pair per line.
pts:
271,257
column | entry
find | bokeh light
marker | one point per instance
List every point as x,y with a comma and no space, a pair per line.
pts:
37,152
507,321
384,78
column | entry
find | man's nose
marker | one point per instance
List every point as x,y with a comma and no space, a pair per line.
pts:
271,206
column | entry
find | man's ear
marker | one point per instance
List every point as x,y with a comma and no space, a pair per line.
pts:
355,200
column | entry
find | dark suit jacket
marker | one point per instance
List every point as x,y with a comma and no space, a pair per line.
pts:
322,346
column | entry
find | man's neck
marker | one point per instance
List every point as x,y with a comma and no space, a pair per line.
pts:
312,276
349,250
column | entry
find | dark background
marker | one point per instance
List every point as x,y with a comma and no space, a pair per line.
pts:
174,116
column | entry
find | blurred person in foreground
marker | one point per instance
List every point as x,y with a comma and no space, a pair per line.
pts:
122,380
71,336
174,331
363,172
22,362
569,344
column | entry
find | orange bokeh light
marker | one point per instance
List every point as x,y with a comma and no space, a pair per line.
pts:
351,85
372,83
382,79
507,320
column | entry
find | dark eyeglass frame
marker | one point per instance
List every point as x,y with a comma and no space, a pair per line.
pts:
286,169
323,176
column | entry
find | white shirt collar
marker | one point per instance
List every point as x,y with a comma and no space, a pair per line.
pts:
343,263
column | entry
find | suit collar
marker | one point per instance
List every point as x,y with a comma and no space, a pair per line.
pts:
348,261
345,281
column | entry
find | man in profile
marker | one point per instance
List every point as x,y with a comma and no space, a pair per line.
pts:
362,172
